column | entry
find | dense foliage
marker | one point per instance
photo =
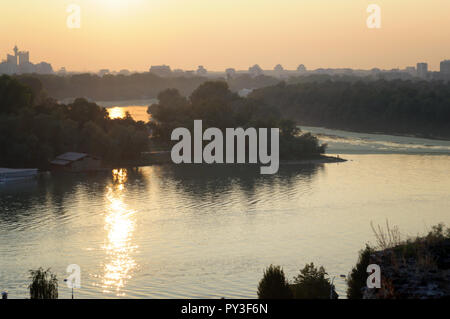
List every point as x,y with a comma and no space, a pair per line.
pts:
309,284
246,81
274,285
357,279
34,129
114,87
217,106
397,106
312,284
44,284
407,265
134,86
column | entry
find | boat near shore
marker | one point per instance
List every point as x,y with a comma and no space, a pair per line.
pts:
9,175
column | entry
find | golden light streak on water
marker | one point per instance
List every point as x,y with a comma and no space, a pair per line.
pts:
119,245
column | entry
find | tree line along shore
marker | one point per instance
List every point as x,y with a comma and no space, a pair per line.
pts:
363,104
35,128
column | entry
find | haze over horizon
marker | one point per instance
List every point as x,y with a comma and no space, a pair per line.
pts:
134,34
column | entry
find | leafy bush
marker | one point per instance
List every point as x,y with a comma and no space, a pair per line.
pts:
274,284
358,276
438,233
312,284
44,284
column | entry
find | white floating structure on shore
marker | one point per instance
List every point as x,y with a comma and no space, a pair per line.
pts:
14,175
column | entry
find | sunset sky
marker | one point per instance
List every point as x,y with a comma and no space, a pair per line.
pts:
134,34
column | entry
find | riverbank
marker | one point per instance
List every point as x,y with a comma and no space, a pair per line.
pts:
378,132
323,159
346,142
417,268
163,157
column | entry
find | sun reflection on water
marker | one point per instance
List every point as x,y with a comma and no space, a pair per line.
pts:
116,113
119,245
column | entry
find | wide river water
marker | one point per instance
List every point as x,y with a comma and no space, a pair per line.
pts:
177,232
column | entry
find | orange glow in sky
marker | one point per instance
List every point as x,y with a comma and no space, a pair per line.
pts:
134,34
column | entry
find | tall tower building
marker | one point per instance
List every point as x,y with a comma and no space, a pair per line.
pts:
422,70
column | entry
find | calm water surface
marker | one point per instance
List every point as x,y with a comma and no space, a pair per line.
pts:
167,231
136,108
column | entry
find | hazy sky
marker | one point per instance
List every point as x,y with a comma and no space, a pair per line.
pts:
135,34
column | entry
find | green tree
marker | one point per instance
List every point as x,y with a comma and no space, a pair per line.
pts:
31,134
288,128
312,284
13,95
274,284
363,104
217,106
358,276
44,284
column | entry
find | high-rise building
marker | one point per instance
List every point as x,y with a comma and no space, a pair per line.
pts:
42,68
411,70
11,59
24,58
422,70
445,68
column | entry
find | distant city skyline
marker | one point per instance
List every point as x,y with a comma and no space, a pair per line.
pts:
136,34
25,56
19,63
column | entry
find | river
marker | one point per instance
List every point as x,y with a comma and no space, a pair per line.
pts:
178,232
